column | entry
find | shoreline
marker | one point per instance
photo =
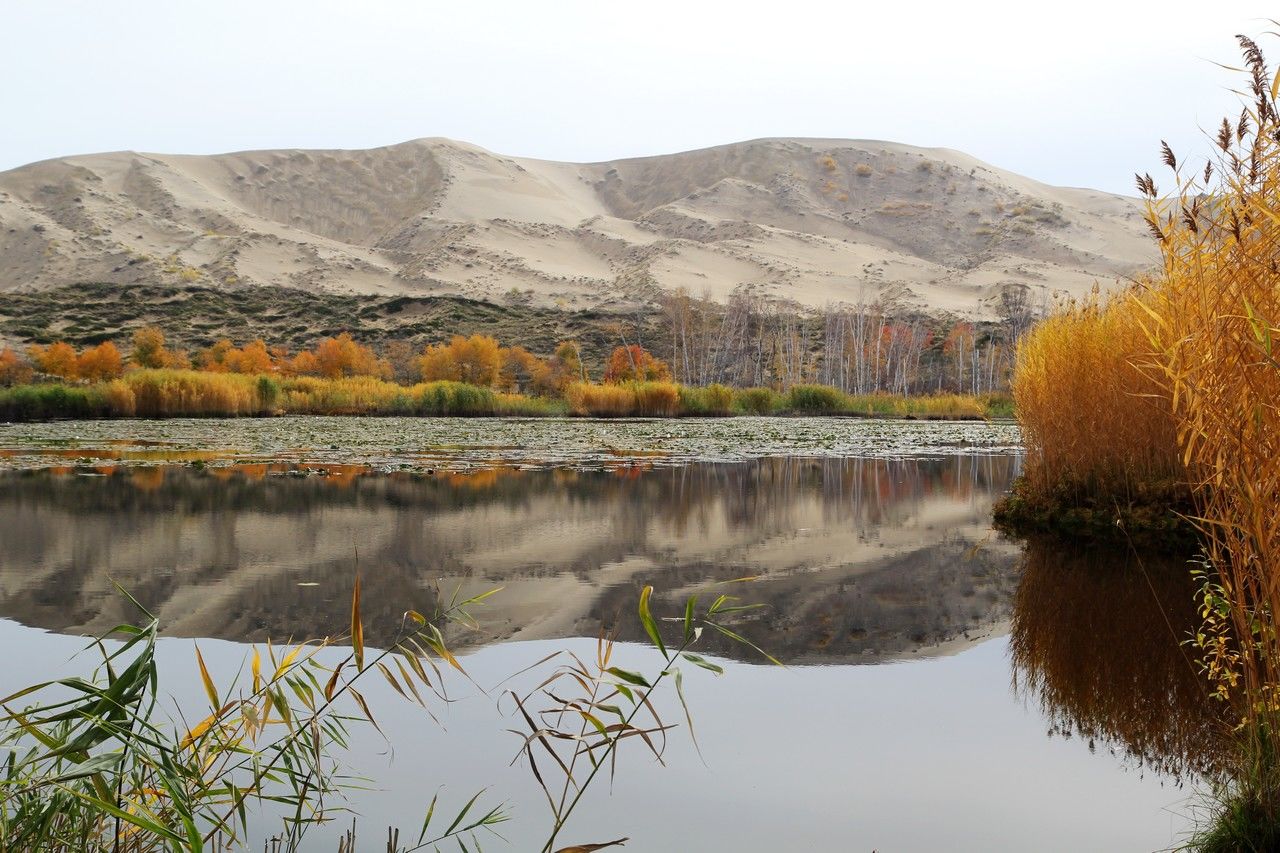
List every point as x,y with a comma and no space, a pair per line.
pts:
1157,519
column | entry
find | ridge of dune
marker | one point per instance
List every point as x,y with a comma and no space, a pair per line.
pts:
815,221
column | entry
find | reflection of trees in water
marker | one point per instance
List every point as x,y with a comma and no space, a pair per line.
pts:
1096,638
752,490
221,552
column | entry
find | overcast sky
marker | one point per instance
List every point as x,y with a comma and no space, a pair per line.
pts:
1077,93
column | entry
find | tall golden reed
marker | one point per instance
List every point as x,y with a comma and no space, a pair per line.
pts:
1094,425
1212,316
1180,378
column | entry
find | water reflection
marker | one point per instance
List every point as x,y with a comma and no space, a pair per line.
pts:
859,558
1096,638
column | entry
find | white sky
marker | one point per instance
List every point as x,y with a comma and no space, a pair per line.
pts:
1077,93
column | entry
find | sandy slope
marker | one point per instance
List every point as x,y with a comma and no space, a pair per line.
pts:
816,221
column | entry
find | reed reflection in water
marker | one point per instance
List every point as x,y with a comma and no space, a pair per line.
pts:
1096,639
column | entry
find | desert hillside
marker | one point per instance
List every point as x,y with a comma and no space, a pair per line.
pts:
814,221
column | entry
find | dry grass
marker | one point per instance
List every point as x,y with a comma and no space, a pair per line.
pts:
1093,423
1180,378
1213,319
643,399
176,393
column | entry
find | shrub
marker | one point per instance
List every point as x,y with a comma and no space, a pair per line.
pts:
816,399
515,405
714,400
46,402
268,391
1092,422
602,401
170,393
757,401
447,398
119,399
656,399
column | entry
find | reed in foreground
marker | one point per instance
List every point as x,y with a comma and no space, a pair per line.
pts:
95,765
1178,382
1213,322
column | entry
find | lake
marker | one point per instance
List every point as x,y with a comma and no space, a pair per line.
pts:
945,688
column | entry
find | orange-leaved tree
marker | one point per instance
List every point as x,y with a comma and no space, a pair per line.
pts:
635,363
149,350
14,370
476,360
223,357
101,363
341,356
58,359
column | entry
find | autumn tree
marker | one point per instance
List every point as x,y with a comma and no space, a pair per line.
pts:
959,348
523,372
343,356
14,370
149,350
56,360
476,360
566,364
254,357
224,357
101,363
302,364
214,358
634,362
404,362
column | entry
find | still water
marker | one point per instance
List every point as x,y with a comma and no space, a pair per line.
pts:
946,689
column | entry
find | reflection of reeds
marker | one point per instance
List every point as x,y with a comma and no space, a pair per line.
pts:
1097,637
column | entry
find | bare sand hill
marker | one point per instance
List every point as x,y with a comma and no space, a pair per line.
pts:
815,221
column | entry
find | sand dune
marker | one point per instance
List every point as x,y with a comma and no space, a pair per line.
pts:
815,221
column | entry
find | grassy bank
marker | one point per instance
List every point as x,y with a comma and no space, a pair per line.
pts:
189,393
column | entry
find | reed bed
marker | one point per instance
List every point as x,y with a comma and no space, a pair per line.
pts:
1178,380
1213,320
1095,424
169,392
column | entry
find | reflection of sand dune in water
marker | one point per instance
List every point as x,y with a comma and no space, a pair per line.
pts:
1096,639
857,558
